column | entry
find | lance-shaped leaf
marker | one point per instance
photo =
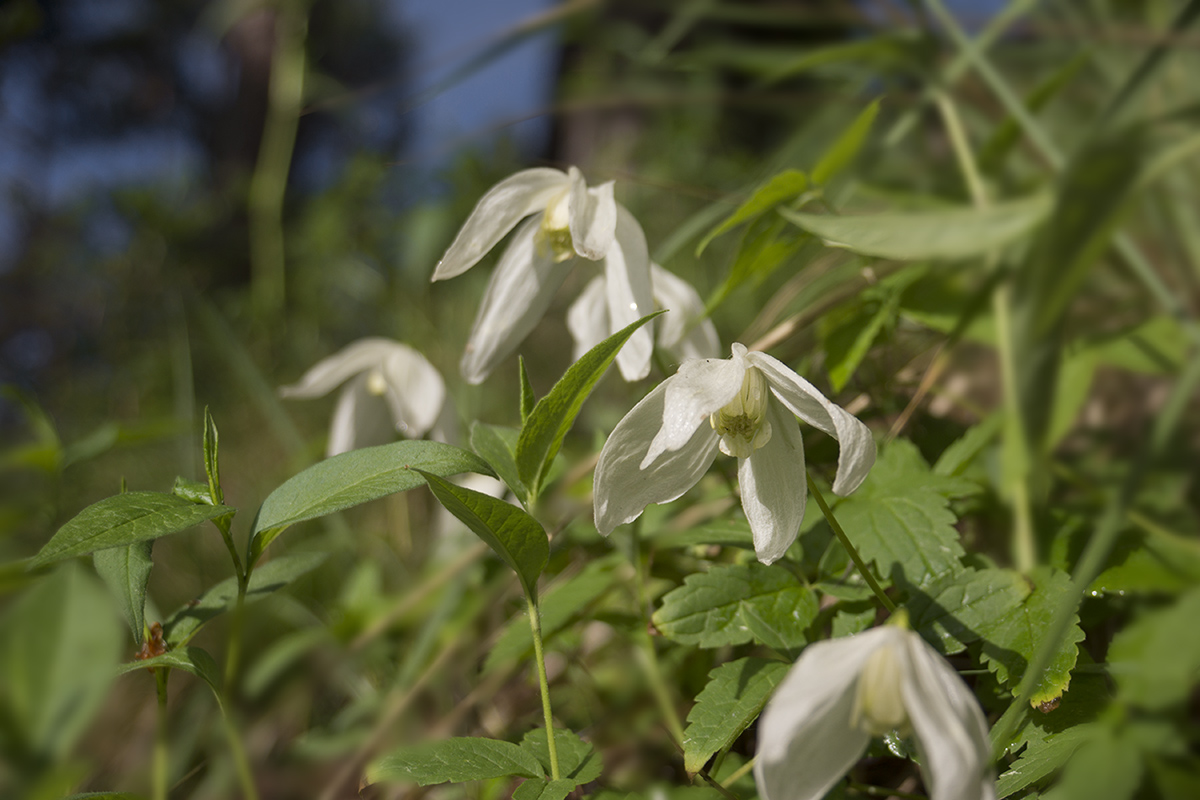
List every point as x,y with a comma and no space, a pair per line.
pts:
211,468
352,478
842,152
122,520
455,761
951,234
780,188
735,694
126,570
189,659
554,414
498,446
514,535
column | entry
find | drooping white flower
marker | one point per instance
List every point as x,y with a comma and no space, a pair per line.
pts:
844,691
742,406
389,387
683,332
572,222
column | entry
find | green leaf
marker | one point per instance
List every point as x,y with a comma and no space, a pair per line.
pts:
126,570
766,245
559,607
954,234
1105,765
900,517
189,659
535,789
955,459
192,491
514,535
497,445
181,626
211,467
104,796
455,761
1040,760
735,694
121,520
779,189
950,611
734,603
528,399
848,335
352,478
1156,659
842,152
1011,640
59,642
554,414
577,760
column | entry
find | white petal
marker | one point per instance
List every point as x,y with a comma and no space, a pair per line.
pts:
699,388
593,217
773,487
948,725
681,331
627,283
857,446
329,373
360,419
587,318
496,213
622,487
805,740
517,295
415,391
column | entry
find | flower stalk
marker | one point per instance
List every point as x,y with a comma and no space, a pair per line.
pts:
535,626
859,564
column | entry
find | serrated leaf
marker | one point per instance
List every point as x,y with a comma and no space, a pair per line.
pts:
734,603
455,761
269,577
125,570
543,790
842,152
548,423
1156,659
1038,761
497,445
559,606
352,478
189,659
900,517
122,520
1011,640
953,234
578,761
514,535
950,611
778,189
735,694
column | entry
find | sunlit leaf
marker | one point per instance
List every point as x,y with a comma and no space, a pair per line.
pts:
779,189
735,694
455,761
578,761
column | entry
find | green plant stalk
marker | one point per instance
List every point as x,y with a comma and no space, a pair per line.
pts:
535,626
237,620
161,739
648,656
884,600
241,764
1016,440
736,775
267,185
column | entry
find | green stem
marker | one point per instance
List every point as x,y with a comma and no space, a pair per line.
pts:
241,764
161,739
648,656
738,773
535,625
236,623
884,600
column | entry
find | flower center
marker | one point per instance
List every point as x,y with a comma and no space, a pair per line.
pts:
554,234
741,423
878,703
376,383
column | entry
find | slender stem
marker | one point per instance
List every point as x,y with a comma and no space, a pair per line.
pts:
738,773
236,622
884,600
224,526
535,625
161,739
648,656
719,787
241,764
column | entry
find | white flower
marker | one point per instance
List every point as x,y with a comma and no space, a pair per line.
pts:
574,222
742,406
844,691
683,332
391,388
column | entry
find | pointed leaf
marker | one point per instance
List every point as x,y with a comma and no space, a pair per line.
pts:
528,399
735,603
455,761
126,570
954,234
514,535
735,694
554,414
578,761
780,188
842,152
189,659
498,446
124,519
211,468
